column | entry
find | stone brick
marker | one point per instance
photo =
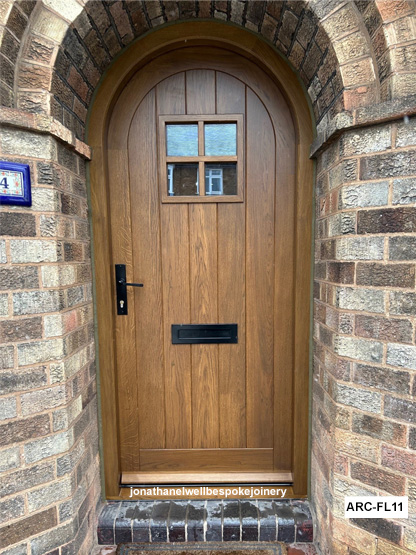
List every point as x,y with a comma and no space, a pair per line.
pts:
404,191
22,430
368,300
8,408
347,442
406,132
26,251
9,459
358,398
28,527
399,163
56,276
401,355
375,477
366,140
350,47
48,495
402,248
384,328
359,349
39,49
360,248
24,277
4,305
17,224
380,528
36,302
17,22
53,539
27,478
341,272
20,330
3,255
45,200
365,194
403,303
377,428
382,378
30,378
386,275
11,509
342,173
48,446
389,220
43,399
400,409
42,351
24,143
341,224
6,357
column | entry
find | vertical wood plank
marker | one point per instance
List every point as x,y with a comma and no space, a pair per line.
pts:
203,272
284,295
200,91
231,290
200,99
124,326
147,269
260,273
176,302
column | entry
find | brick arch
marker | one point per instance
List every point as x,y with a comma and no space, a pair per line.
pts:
65,53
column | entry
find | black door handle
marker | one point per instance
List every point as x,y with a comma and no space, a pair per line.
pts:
121,289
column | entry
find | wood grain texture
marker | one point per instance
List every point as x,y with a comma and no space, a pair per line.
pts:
147,270
303,178
207,460
231,289
125,328
259,273
204,310
205,477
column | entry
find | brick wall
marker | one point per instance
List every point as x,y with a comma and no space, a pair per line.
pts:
364,414
49,479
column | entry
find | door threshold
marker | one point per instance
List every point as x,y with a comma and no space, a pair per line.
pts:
179,477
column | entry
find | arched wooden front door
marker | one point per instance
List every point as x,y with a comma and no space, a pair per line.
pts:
201,161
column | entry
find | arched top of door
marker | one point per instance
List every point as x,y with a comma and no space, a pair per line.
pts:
202,33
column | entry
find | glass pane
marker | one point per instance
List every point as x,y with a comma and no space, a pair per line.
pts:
220,139
221,179
182,179
182,140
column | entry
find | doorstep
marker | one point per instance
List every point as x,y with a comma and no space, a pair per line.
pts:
268,520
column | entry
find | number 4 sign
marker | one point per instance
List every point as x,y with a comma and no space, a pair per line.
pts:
15,184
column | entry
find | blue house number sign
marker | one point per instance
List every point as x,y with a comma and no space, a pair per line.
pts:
15,184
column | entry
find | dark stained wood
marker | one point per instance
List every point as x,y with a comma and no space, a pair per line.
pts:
129,100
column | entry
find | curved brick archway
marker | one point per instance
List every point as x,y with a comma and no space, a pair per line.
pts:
357,61
68,47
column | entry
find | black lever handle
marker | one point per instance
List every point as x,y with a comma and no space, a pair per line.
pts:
123,282
121,289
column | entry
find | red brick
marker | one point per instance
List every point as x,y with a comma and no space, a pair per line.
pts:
384,328
376,477
35,524
402,461
386,275
22,430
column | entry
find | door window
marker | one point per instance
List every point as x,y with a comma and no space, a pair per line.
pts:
201,158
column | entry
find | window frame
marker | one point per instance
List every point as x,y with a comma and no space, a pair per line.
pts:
201,159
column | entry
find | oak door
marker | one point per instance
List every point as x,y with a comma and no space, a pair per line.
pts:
205,222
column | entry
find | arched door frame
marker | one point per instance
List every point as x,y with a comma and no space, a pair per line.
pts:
135,57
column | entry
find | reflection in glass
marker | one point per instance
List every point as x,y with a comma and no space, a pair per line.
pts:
182,140
182,179
221,179
220,139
